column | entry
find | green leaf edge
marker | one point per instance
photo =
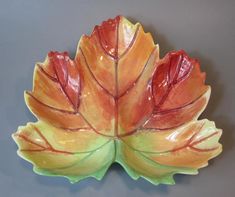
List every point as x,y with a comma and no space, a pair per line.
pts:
99,174
168,179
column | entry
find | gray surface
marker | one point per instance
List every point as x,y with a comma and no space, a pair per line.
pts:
29,29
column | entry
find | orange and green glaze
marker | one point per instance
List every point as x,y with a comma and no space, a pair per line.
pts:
117,101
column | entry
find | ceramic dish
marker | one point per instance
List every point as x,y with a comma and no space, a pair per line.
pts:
117,101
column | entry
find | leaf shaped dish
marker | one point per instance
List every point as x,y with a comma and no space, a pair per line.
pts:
117,101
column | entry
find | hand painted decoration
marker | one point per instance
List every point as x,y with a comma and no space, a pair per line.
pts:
117,101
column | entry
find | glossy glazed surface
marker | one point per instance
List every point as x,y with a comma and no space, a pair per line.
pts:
117,101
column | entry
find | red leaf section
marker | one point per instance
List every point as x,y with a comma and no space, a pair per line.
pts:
178,90
115,62
67,75
56,92
107,33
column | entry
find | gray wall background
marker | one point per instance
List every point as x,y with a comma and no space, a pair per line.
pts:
30,28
